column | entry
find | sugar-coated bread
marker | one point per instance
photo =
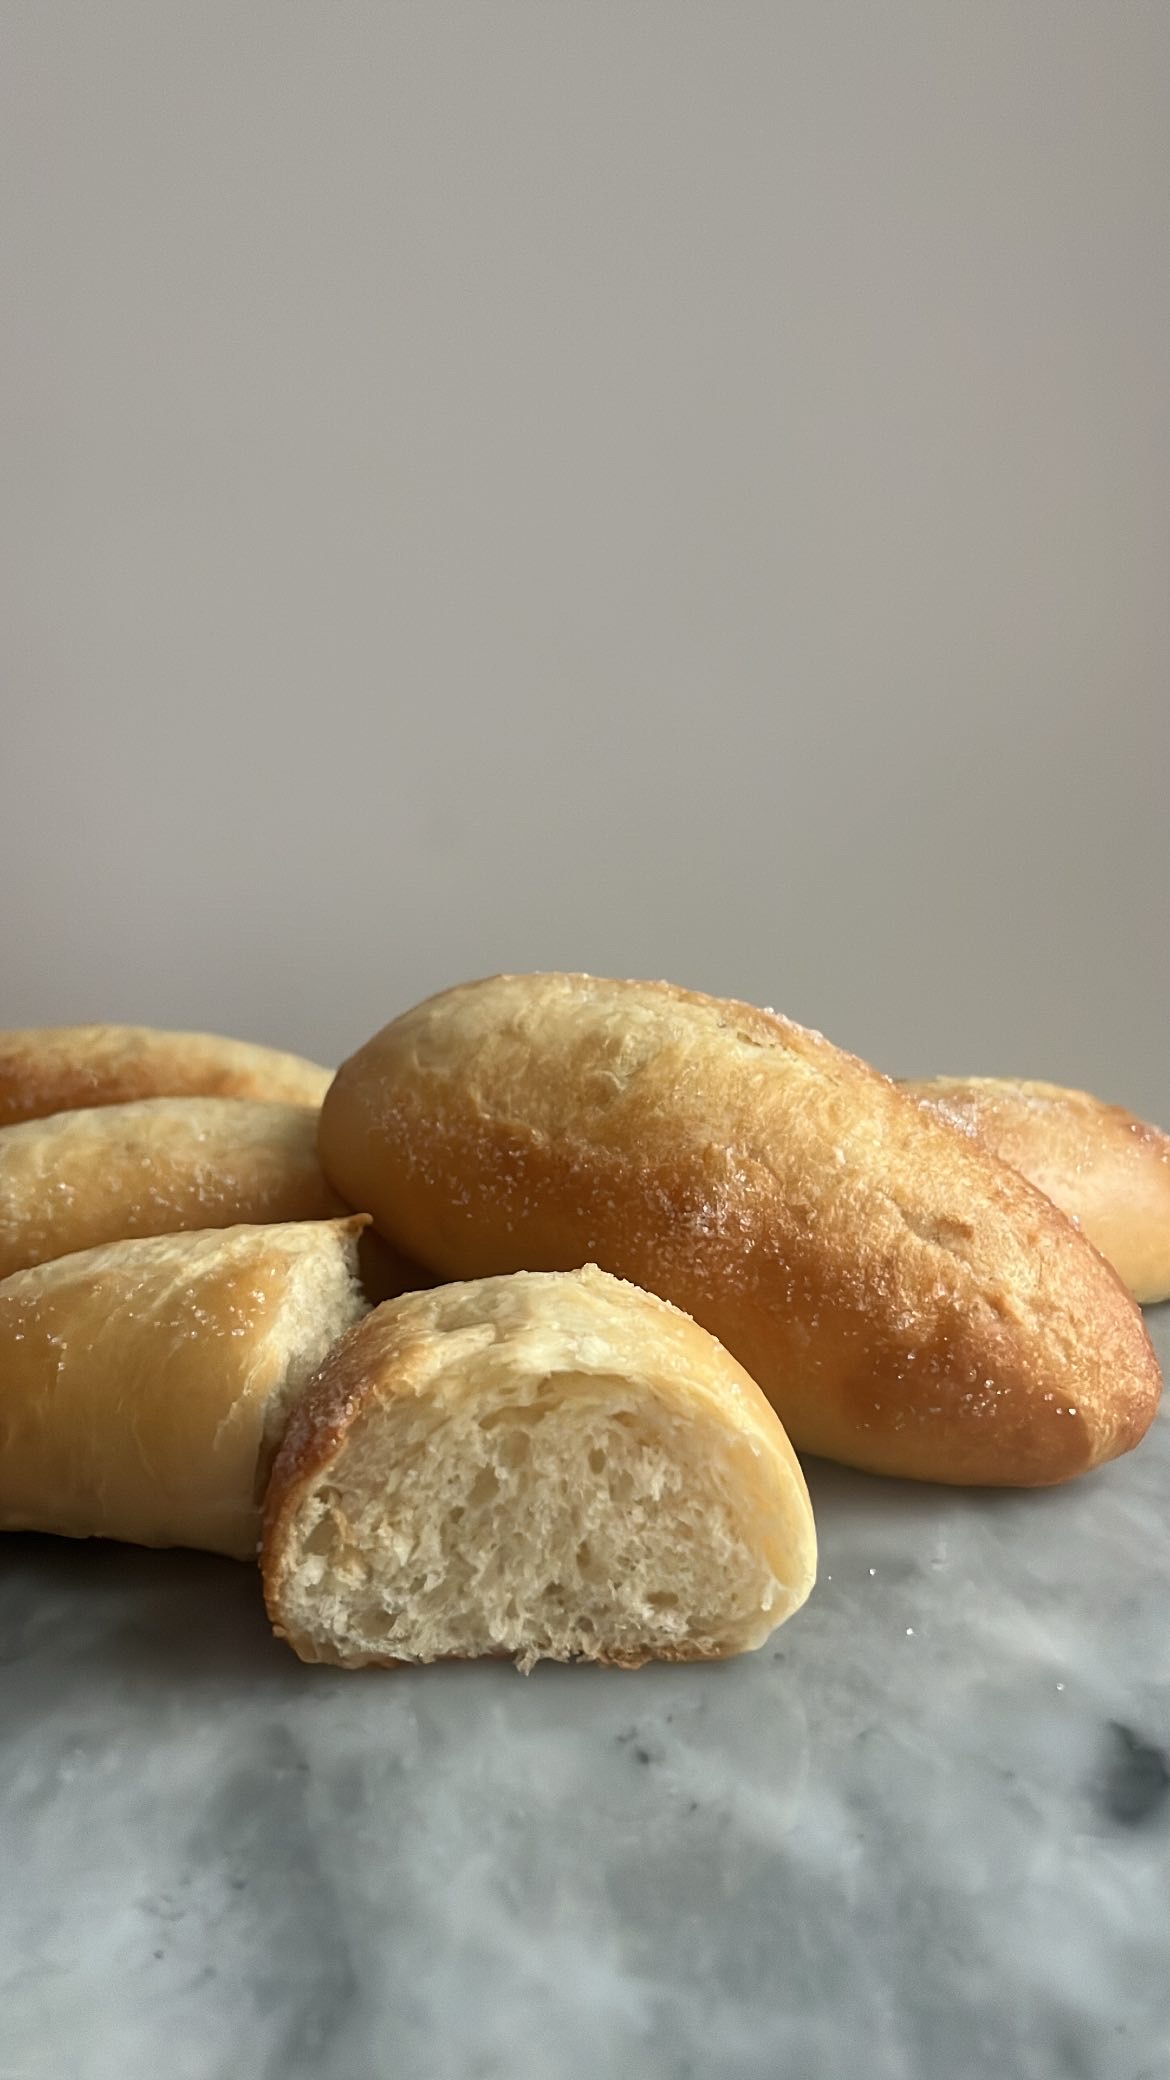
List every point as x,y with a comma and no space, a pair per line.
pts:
908,1303
1099,1163
46,1069
144,1386
77,1179
545,1465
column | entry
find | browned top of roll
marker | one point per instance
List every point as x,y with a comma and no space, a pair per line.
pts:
45,1069
1101,1164
159,1167
909,1304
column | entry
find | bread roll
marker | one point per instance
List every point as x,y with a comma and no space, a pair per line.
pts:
144,1386
78,1179
552,1466
909,1304
46,1069
385,1272
1108,1170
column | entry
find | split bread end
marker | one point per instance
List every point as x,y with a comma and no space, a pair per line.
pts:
1107,1169
145,1385
545,1465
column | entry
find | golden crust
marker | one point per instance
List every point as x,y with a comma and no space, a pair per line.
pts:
46,1069
529,1326
385,1273
1107,1169
909,1304
138,1380
165,1165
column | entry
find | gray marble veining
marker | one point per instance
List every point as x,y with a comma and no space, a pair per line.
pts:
925,1835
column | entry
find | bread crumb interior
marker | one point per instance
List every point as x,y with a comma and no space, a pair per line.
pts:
581,1519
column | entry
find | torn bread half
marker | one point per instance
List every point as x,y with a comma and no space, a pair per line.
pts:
544,1465
145,1385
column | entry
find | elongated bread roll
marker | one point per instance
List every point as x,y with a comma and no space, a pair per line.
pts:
1110,1171
547,1465
144,1386
78,1179
45,1069
908,1303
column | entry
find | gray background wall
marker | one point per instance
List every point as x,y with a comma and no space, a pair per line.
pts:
674,489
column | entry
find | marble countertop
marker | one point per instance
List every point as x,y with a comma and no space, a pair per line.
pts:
924,1835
